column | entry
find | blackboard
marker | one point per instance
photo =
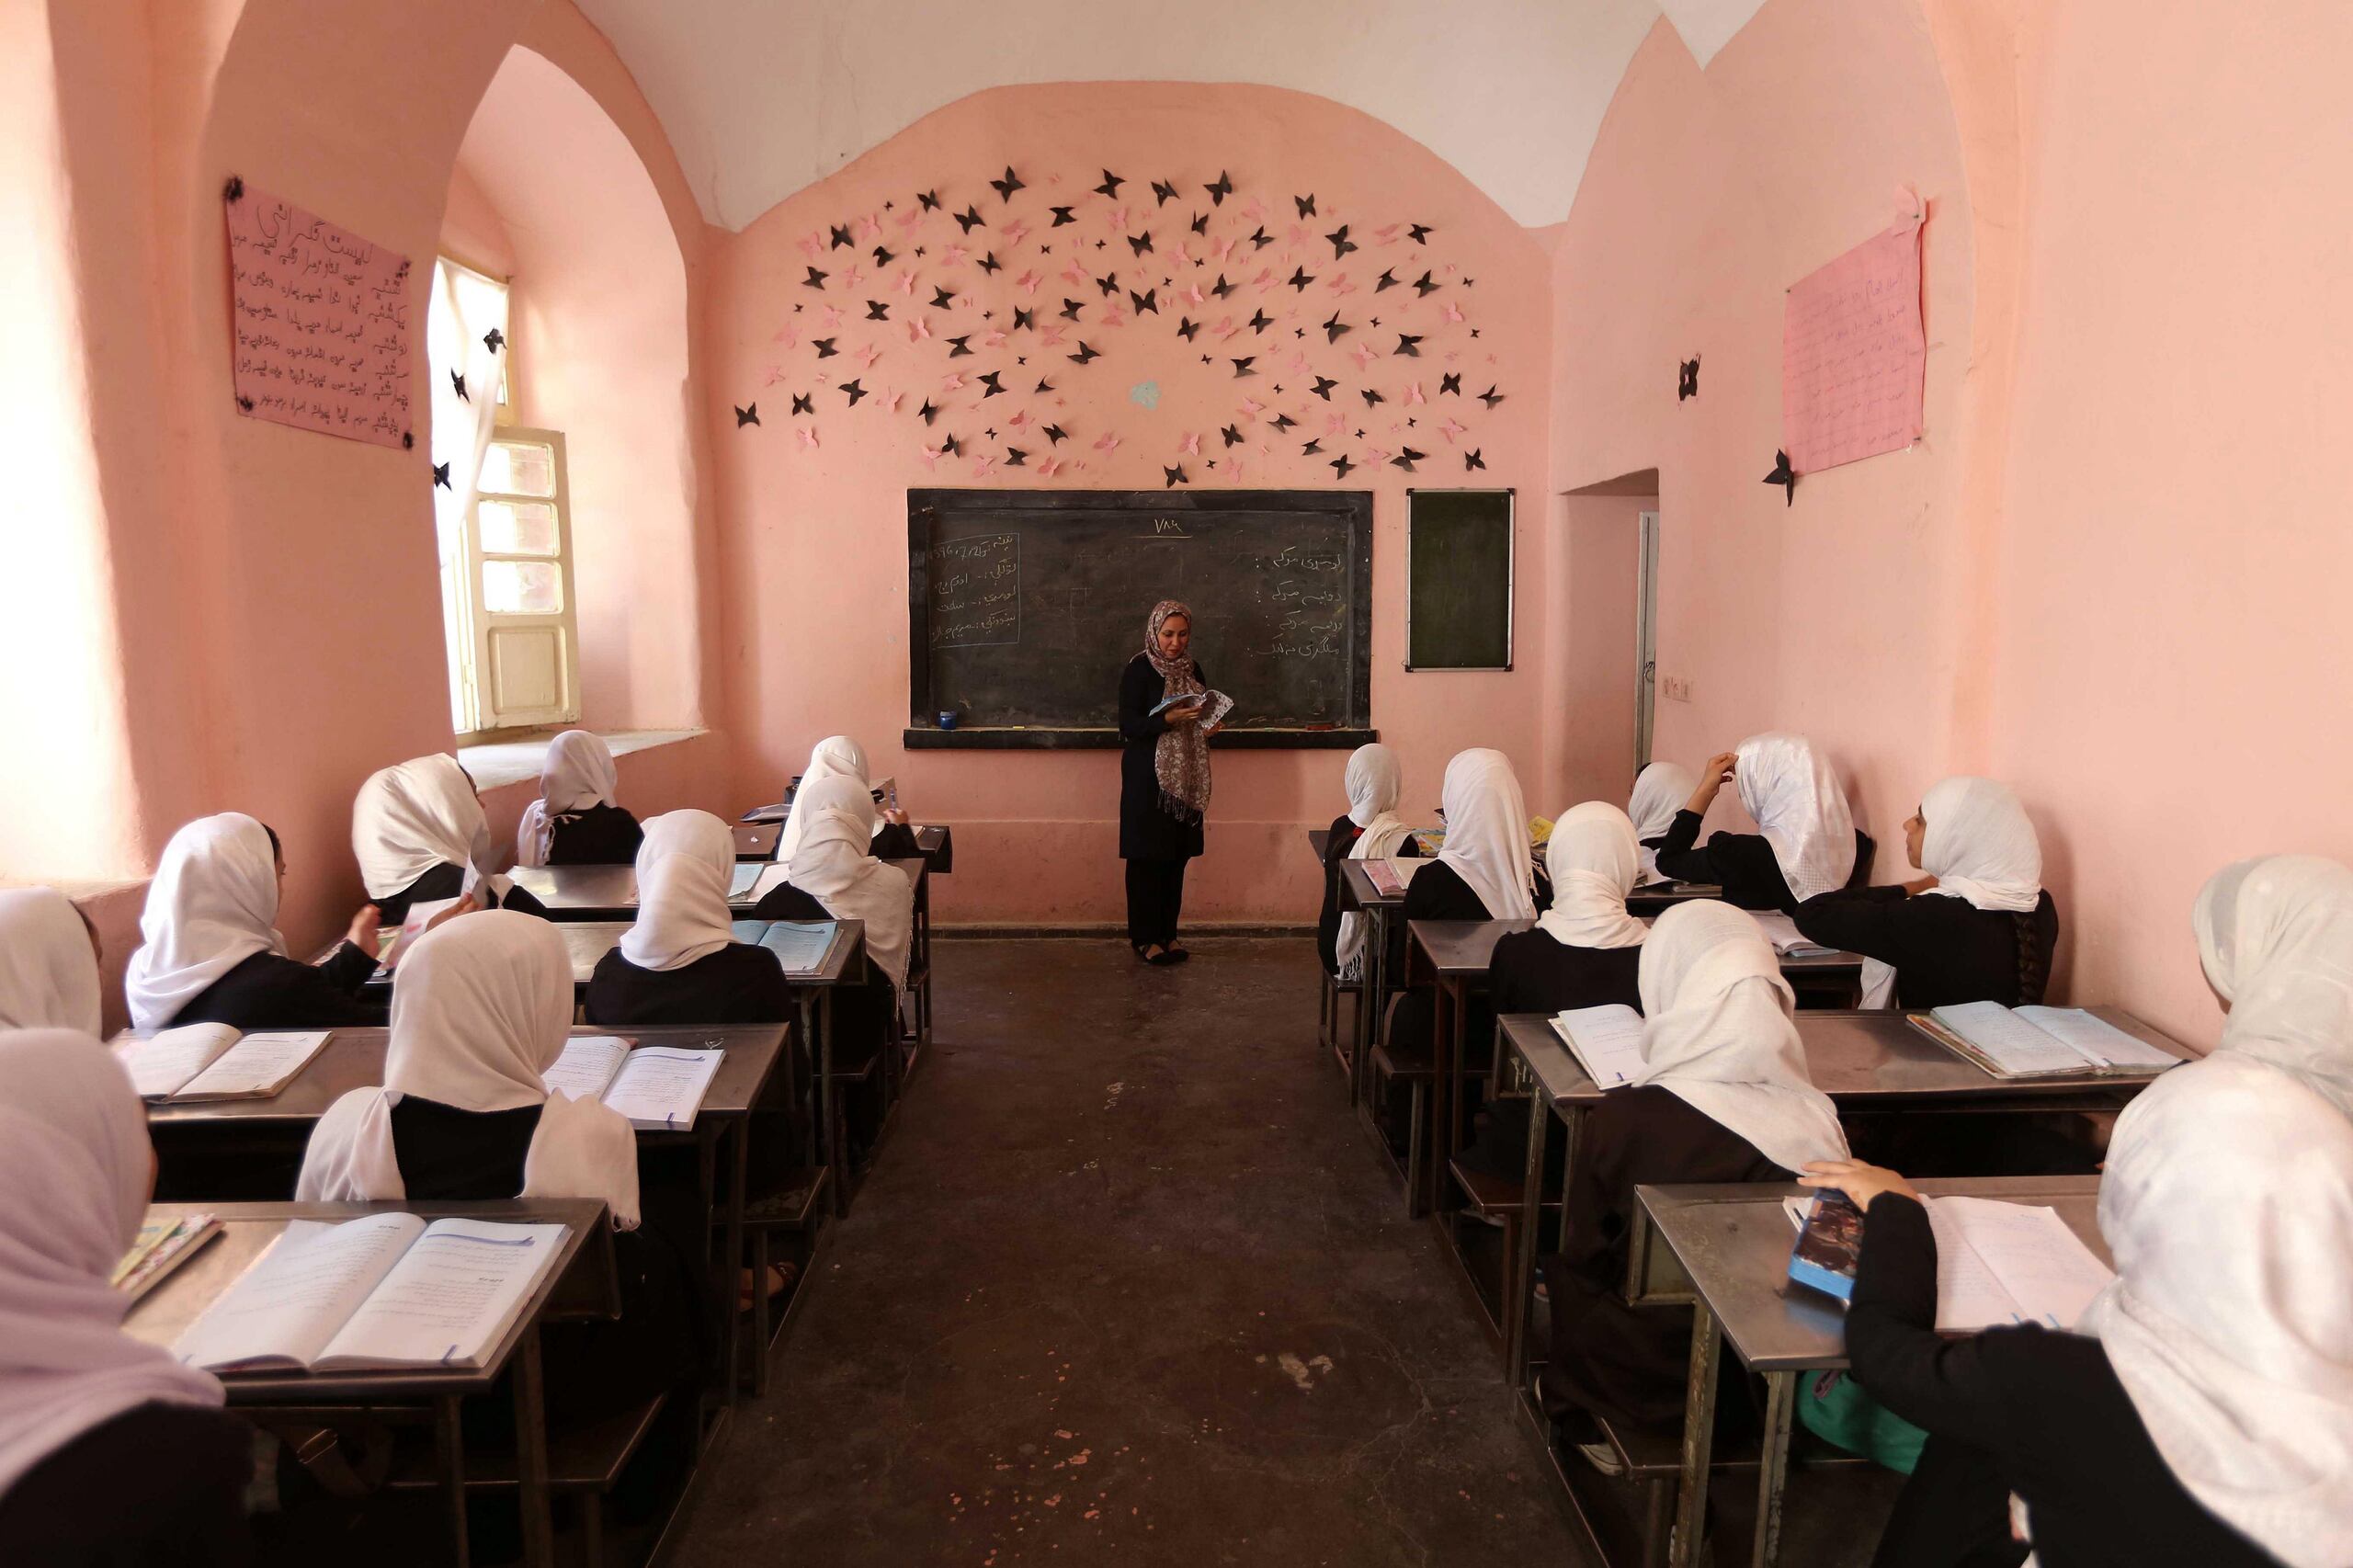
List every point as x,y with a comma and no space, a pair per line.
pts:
1024,607
1457,579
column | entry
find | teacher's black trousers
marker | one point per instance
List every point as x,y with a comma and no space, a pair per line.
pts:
1155,897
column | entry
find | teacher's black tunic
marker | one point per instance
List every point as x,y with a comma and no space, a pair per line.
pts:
1147,832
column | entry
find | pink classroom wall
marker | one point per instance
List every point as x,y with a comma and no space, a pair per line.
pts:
815,538
274,590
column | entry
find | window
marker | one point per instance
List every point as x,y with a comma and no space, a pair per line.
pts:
505,525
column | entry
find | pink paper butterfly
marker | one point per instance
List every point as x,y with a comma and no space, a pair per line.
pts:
808,435
1191,445
1107,442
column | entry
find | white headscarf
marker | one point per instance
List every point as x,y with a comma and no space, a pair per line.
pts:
836,756
835,867
212,905
414,816
683,869
2276,938
1788,787
481,1010
1486,833
1372,781
1716,1032
576,773
1591,858
1660,791
2228,1204
49,975
75,1165
1979,846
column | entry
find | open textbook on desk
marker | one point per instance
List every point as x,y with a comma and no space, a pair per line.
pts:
1998,1263
214,1062
659,1088
2032,1042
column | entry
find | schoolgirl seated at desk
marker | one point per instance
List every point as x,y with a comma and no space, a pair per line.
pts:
839,756
1806,841
213,954
1722,1096
679,962
835,878
49,962
576,821
1660,791
1369,830
418,830
111,1453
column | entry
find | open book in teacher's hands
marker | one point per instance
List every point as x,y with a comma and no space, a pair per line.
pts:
387,1290
1215,706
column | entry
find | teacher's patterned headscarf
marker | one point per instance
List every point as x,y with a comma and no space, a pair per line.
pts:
1181,760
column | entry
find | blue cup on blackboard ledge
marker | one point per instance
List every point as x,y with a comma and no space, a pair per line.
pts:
948,717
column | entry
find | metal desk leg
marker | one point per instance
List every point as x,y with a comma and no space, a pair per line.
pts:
837,1127
1519,1282
1773,1465
1368,1000
531,1453
1698,1439
742,1130
450,1448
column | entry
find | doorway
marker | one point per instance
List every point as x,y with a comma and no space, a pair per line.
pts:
1609,646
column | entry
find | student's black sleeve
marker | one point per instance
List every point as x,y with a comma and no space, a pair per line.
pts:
1941,1386
1677,857
897,841
348,969
1864,920
522,902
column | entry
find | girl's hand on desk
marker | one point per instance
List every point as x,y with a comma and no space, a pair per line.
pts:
1859,1181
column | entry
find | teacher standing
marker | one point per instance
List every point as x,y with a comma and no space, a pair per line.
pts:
1163,780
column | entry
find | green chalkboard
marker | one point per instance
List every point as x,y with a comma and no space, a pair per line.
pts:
1457,579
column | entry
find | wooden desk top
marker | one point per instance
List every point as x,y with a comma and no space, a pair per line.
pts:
1657,898
1861,1059
756,840
1734,1244
1319,839
1463,949
354,1058
247,1228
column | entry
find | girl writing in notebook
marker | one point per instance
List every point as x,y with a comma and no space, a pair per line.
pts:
1369,830
213,954
1805,842
110,1451
49,962
576,821
1722,1096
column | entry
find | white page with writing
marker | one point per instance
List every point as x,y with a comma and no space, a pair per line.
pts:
1969,1295
1782,931
159,1064
449,1298
2013,1043
287,1307
2043,1267
256,1065
588,1064
2098,1039
801,946
1606,1040
661,1086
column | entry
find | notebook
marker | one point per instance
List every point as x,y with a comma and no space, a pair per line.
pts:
214,1062
1783,932
801,946
2029,1043
1996,1263
743,878
1606,1040
386,1291
659,1088
163,1245
1389,877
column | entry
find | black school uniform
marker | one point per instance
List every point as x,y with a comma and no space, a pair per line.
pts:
158,1486
738,984
1532,973
1626,1364
601,836
896,841
865,1016
446,880
1740,863
596,1368
1945,950
2013,1410
269,991
1336,844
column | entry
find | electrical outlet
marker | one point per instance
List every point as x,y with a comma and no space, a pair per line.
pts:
1678,688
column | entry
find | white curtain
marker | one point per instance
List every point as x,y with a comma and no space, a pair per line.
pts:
465,309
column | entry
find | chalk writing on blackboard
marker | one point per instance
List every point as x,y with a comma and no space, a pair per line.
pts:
976,591
1304,588
1854,356
320,321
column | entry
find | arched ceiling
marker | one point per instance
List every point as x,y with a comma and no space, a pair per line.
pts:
760,99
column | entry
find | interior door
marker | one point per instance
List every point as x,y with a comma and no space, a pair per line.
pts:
1646,636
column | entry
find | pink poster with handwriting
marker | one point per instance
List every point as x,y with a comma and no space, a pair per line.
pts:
320,322
1854,357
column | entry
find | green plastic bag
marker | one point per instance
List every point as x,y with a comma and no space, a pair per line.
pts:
1835,1408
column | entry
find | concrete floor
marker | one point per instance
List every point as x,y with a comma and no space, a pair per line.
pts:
1129,1284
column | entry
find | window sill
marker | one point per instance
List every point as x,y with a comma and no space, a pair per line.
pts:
496,763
